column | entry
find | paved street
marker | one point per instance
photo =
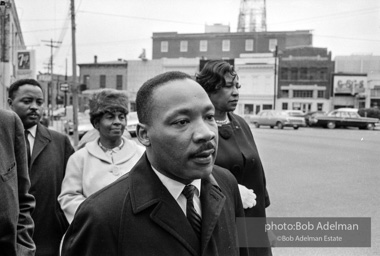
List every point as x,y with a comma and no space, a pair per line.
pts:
315,172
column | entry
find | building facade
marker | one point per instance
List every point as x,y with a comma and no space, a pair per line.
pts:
360,77
11,41
304,79
225,45
257,77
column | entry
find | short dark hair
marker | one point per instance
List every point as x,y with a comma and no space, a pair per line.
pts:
144,98
211,78
107,100
14,87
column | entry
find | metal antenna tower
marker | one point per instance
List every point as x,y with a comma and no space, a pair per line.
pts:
252,16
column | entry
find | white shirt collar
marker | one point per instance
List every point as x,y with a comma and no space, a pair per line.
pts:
175,188
32,131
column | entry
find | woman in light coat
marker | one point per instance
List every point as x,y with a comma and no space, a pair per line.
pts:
104,160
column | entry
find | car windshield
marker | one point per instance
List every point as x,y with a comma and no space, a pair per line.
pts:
283,113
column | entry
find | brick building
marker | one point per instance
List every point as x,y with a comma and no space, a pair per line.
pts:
304,79
226,45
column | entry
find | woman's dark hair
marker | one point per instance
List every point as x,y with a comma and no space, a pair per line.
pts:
211,78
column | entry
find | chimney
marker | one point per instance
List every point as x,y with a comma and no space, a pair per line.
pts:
95,59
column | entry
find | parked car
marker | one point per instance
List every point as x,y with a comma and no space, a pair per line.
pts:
132,122
274,118
84,125
298,113
310,116
345,117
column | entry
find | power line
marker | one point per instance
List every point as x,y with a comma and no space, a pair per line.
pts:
141,18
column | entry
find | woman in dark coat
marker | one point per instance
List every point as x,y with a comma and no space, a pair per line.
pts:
237,150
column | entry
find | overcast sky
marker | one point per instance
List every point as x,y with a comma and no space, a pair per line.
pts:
115,29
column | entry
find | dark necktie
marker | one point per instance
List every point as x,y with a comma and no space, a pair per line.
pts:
192,215
28,152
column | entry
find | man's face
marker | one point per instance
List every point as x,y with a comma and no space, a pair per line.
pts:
27,103
182,133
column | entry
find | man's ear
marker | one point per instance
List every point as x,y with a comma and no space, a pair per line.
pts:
10,101
142,134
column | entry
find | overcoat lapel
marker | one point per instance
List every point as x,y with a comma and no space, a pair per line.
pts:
148,191
212,200
42,139
241,140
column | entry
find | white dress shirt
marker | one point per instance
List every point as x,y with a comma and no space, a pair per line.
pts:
32,137
175,189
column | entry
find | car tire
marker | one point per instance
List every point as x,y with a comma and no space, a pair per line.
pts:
370,126
331,125
280,125
256,125
295,127
271,127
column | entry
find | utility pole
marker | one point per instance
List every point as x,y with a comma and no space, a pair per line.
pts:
74,86
275,55
53,44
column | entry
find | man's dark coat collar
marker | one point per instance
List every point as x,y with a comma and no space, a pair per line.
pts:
147,191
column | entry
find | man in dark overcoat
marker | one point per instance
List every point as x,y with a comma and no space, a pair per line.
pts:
148,212
16,204
48,153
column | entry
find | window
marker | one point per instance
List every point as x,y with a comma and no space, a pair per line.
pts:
285,93
249,45
321,94
294,74
183,46
86,79
319,106
302,94
284,73
132,107
102,81
296,106
119,82
226,45
203,46
284,105
267,106
323,74
272,44
313,74
303,73
248,109
164,46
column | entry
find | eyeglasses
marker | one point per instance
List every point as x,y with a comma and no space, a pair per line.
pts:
230,85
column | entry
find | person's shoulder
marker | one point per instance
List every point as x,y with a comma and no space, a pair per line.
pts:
239,119
7,116
109,197
6,113
134,146
55,135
